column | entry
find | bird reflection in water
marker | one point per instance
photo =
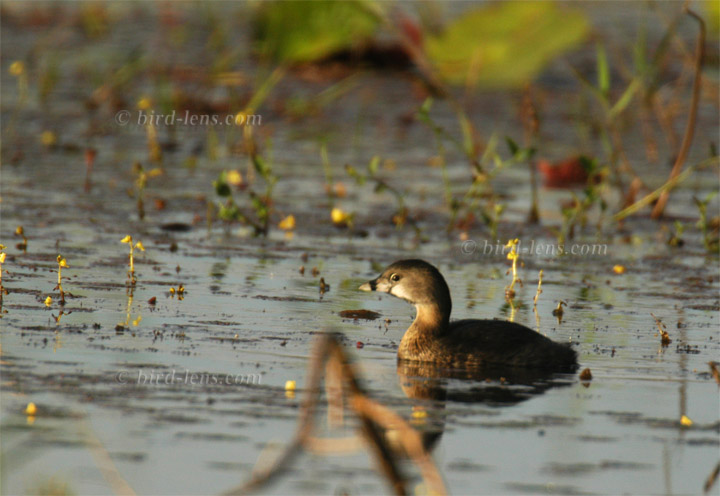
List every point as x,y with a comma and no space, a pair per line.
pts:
431,387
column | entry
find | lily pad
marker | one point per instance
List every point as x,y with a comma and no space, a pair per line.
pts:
505,44
305,31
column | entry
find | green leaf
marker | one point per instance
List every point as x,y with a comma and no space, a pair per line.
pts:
257,203
261,166
712,16
625,98
222,188
374,165
229,212
423,115
304,31
352,172
467,132
603,71
589,164
512,146
505,44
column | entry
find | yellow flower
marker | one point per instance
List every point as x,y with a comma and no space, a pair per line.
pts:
288,223
234,178
62,262
139,246
619,269
48,138
31,409
126,239
144,103
339,217
48,301
512,244
2,257
290,390
17,68
685,421
419,414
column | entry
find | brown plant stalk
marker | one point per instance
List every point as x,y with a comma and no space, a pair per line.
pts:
659,208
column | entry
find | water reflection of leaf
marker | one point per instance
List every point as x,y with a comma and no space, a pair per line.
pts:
304,31
505,43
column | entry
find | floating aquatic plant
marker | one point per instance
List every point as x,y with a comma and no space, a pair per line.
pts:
558,311
324,287
153,144
504,44
180,292
288,223
709,228
513,256
305,31
62,263
539,289
341,218
664,335
261,204
3,291
575,213
402,215
120,328
18,70
20,231
141,179
290,386
479,198
131,273
675,239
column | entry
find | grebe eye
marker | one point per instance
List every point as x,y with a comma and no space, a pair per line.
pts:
395,278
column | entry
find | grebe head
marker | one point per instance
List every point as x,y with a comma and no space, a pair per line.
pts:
415,281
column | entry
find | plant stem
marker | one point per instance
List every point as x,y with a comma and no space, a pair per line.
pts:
692,117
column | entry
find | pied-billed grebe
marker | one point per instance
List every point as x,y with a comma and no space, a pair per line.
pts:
462,343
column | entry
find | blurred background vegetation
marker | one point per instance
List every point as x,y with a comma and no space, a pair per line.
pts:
546,87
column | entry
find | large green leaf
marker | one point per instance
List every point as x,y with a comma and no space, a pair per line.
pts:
303,31
711,15
504,44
